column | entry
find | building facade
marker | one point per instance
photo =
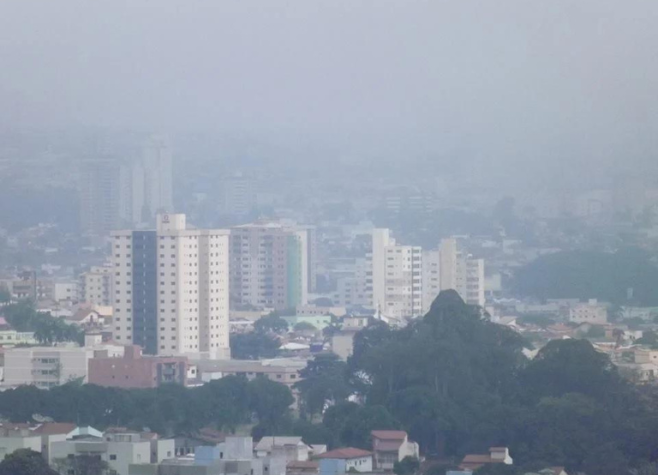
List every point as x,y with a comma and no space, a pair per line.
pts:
134,370
171,289
396,277
269,266
45,367
98,285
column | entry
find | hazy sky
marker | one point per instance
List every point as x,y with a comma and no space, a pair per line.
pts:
523,78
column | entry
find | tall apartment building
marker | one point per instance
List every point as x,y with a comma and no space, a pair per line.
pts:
237,195
171,289
152,188
101,195
98,285
396,277
431,277
269,265
355,290
461,272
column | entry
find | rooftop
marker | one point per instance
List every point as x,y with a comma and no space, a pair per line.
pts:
345,453
389,434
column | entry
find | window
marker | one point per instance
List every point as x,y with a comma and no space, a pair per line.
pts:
113,457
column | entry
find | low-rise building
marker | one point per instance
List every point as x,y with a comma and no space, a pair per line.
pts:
135,370
344,460
591,312
46,367
391,446
281,370
496,455
13,338
119,449
234,456
292,448
37,437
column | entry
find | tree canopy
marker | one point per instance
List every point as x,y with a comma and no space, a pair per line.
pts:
25,462
587,274
47,329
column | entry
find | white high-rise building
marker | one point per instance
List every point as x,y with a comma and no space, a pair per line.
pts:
171,289
461,272
431,278
396,277
98,285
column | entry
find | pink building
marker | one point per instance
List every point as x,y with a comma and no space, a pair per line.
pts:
135,370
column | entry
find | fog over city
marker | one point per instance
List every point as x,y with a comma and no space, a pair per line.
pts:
511,85
297,237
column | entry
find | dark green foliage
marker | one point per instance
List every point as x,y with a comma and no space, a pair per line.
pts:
253,346
47,329
272,323
25,462
649,338
407,466
5,295
324,381
170,409
586,274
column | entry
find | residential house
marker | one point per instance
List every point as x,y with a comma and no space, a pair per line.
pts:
496,455
119,449
292,448
186,444
390,446
342,461
235,456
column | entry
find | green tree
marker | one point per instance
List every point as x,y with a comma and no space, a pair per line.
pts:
5,295
253,346
272,324
25,462
304,327
323,382
270,402
406,466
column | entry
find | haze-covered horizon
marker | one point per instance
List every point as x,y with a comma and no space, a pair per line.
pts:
523,86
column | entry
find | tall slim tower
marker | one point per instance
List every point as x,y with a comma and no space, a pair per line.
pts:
171,289
100,192
154,183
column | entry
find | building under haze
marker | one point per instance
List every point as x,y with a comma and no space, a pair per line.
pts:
269,265
116,193
396,276
98,285
405,280
171,289
152,180
461,271
102,192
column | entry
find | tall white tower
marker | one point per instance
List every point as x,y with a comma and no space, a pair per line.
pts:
171,289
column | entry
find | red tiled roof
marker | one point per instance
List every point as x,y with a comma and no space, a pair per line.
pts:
475,461
52,428
345,453
389,434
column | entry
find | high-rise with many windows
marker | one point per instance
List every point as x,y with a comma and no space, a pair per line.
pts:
269,265
171,289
